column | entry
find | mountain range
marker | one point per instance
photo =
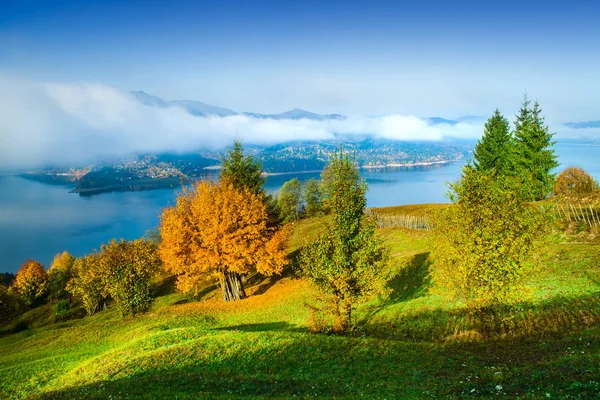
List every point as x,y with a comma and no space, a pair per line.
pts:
200,109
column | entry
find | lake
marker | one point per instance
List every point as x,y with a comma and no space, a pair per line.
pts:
39,220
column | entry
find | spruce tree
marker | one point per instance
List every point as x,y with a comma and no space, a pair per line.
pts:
242,171
494,151
535,157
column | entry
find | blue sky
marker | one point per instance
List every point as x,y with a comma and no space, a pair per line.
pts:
375,58
427,58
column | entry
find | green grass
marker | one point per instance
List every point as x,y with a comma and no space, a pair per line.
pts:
412,341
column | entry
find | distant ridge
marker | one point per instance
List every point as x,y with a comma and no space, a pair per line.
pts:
194,107
297,113
198,108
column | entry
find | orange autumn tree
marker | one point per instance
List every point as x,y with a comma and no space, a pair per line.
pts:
216,230
31,281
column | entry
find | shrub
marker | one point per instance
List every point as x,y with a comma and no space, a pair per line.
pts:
31,282
574,181
61,311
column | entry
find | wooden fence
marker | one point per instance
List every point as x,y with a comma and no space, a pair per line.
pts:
580,213
401,221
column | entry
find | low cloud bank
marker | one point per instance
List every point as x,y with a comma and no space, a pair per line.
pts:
55,123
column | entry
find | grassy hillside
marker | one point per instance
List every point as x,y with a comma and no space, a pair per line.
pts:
413,341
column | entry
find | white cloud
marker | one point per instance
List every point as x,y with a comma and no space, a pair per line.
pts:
44,123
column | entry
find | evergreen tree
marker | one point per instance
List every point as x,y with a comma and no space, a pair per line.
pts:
242,171
494,151
535,157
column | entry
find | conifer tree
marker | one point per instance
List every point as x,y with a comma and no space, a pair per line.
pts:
494,151
535,157
242,171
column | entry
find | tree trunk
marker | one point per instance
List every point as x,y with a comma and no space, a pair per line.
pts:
231,283
348,310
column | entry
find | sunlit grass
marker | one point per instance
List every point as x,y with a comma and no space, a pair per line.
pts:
411,342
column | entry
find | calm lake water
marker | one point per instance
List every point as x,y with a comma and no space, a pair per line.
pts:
39,220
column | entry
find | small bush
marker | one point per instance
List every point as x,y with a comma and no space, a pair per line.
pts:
574,181
61,312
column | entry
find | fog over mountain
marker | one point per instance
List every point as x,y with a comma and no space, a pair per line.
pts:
63,124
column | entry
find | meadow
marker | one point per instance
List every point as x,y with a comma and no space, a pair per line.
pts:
413,341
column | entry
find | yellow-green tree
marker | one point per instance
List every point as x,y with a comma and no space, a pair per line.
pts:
484,240
87,284
31,281
58,276
128,272
122,270
216,230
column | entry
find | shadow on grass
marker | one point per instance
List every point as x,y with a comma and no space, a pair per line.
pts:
553,318
412,282
329,366
266,282
263,327
193,298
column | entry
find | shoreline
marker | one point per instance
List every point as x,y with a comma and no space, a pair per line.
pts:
418,164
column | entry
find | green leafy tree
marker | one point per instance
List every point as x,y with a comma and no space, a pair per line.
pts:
9,304
58,276
87,283
347,263
313,198
484,241
242,171
289,200
494,151
7,278
31,282
121,270
128,272
534,152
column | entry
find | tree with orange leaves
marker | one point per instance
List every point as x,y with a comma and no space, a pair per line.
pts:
220,231
31,281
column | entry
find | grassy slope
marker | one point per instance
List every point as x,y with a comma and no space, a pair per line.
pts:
414,343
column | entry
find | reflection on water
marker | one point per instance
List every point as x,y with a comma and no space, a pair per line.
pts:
39,220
